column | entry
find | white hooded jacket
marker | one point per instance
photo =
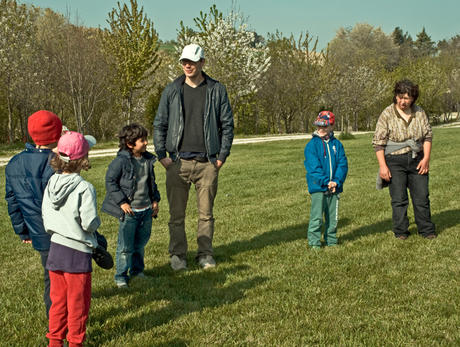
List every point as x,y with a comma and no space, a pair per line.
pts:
69,212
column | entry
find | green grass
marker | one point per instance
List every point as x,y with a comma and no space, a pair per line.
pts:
268,289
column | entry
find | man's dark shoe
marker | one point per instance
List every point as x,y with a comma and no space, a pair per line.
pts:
401,237
431,236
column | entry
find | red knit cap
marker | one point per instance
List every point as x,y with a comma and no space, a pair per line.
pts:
44,127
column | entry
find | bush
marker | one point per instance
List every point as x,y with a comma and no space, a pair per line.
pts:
346,136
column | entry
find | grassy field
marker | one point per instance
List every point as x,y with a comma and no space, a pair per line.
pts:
268,288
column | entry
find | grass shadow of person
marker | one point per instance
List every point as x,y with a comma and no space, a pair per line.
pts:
270,238
442,220
186,292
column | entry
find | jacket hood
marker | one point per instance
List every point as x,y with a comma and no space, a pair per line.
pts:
60,186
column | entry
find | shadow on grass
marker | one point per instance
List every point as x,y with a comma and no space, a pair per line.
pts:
184,293
269,238
446,219
443,220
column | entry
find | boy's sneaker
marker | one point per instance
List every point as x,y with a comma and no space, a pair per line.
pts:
207,262
315,248
121,285
177,263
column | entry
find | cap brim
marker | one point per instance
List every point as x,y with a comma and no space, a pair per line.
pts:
191,59
91,140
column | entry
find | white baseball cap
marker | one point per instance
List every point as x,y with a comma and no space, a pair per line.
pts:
192,52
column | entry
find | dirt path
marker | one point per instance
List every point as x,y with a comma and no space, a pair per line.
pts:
95,153
112,151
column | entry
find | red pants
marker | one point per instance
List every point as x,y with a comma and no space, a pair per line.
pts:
70,295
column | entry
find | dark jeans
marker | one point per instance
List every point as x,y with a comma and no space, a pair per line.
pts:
133,235
46,277
404,175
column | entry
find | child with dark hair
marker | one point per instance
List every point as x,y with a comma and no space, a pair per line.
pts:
132,197
70,215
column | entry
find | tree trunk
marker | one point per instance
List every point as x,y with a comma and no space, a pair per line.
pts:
10,119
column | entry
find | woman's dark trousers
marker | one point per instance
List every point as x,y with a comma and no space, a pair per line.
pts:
404,175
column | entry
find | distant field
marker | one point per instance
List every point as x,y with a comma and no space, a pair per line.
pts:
268,288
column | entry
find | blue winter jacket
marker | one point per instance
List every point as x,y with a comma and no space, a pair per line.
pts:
325,161
26,175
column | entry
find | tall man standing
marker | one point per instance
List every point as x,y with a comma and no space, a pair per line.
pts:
194,124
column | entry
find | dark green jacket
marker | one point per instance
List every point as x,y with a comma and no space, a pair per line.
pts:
218,121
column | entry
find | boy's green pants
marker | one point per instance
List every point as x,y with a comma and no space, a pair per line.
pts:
329,206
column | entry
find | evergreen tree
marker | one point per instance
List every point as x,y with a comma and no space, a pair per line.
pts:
398,37
424,45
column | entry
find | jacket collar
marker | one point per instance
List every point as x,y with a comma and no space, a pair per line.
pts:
179,81
31,148
127,154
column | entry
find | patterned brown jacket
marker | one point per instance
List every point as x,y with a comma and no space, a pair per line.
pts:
391,126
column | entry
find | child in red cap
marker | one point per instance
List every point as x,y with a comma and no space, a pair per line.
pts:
26,176
327,168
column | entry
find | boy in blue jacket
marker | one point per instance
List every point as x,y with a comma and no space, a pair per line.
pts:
26,175
327,168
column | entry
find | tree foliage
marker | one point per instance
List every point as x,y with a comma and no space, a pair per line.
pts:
97,80
132,46
292,88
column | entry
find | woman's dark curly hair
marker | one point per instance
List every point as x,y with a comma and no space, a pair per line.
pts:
129,135
405,87
71,166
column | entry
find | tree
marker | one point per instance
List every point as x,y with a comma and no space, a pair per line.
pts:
232,56
363,42
424,46
292,88
405,44
16,37
356,95
132,45
398,37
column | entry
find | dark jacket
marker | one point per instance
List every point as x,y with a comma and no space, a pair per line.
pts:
26,175
218,121
325,161
120,183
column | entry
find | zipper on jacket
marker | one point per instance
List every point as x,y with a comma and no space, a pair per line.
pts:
330,161
207,105
181,122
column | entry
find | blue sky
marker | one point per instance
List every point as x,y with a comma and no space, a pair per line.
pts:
320,18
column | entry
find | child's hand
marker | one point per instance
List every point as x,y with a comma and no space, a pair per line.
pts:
155,208
27,241
332,186
127,208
